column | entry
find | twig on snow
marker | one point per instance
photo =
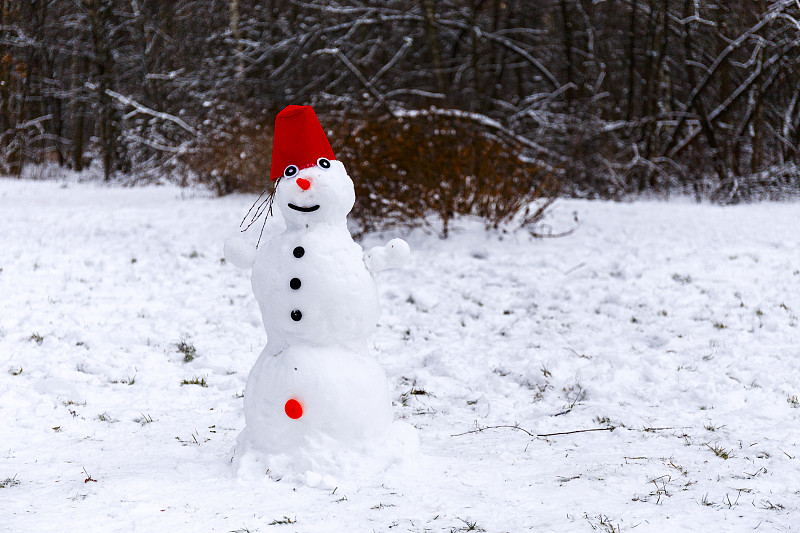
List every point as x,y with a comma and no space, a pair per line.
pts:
589,430
573,269
508,426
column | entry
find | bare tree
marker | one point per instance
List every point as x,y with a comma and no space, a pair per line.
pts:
609,96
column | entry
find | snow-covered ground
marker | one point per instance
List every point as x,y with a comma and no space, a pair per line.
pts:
674,324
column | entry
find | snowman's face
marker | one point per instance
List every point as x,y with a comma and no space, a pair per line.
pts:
322,193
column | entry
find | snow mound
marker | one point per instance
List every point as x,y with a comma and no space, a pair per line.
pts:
326,463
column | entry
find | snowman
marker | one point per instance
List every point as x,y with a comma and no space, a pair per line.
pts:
315,386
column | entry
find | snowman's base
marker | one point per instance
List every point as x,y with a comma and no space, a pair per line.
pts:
322,461
320,409
307,394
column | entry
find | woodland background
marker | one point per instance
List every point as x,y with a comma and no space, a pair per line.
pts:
452,105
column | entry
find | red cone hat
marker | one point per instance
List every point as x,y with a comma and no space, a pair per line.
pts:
299,140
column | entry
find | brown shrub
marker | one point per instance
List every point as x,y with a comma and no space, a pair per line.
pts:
406,169
234,161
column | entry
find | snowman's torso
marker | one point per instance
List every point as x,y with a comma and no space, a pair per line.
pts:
312,287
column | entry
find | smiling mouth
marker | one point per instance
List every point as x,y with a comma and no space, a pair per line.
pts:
304,209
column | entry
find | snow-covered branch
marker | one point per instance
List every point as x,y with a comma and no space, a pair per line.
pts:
139,108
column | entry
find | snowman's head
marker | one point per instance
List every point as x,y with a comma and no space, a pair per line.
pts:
319,193
312,187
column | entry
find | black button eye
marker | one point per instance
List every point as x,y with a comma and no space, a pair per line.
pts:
324,163
291,170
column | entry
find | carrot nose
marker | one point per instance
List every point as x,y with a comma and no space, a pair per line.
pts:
303,183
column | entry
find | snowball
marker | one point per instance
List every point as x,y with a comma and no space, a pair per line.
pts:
344,395
239,252
394,254
312,478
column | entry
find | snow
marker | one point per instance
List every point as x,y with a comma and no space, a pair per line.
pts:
675,323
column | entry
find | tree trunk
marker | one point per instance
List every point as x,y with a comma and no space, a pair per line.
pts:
631,61
432,34
237,36
699,107
78,111
99,18
567,29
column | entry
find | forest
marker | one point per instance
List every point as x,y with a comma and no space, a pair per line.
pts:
591,98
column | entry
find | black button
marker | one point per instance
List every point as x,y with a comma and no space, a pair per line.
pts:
295,283
297,315
299,252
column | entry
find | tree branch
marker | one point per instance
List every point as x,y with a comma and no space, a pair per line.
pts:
139,108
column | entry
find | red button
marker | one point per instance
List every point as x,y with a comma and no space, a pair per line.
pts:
293,409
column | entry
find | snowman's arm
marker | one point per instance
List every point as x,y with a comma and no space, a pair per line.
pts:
394,254
240,252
